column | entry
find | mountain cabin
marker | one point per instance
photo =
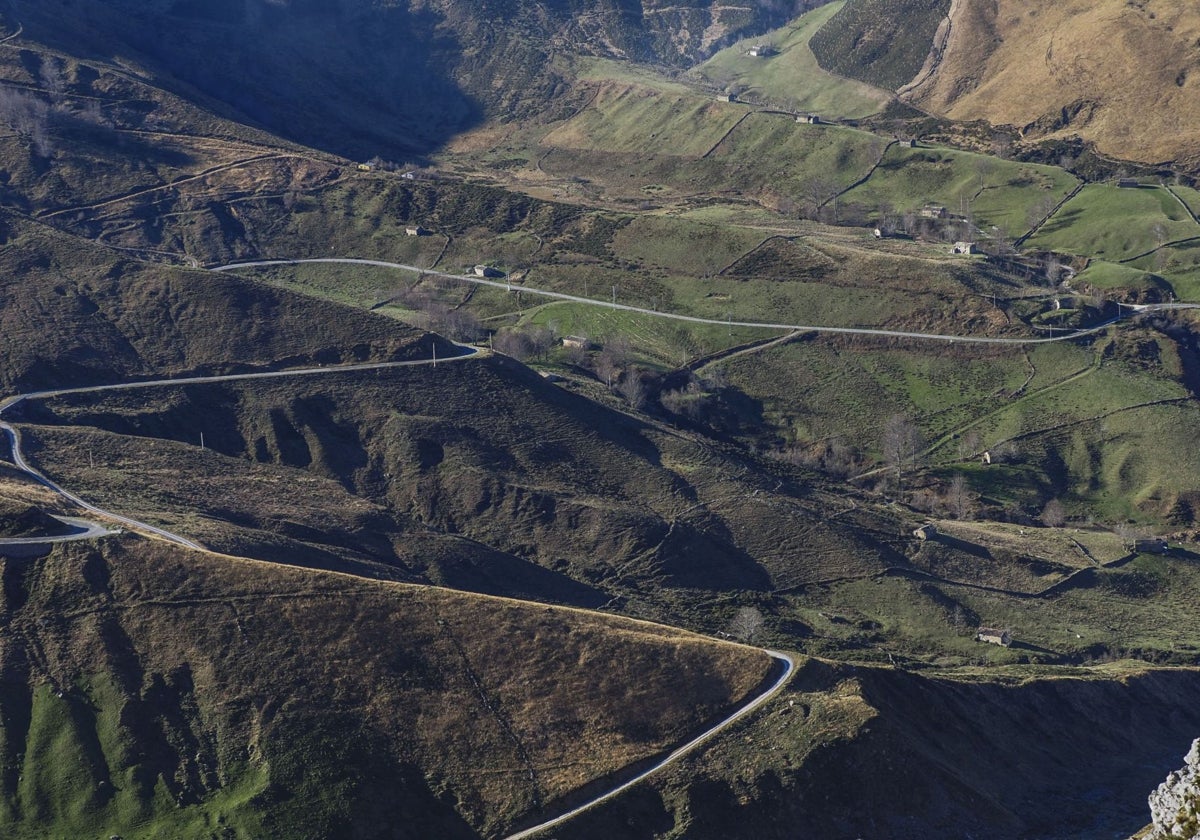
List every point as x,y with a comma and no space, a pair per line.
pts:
992,636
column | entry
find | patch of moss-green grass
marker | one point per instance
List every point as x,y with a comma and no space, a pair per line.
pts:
1004,194
83,776
1115,223
790,77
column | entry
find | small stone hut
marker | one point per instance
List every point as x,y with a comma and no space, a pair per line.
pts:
993,636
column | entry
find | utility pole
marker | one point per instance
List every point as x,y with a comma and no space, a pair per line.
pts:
435,354
614,295
202,440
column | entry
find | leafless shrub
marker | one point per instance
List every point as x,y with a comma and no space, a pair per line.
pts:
901,441
29,117
633,388
50,73
747,624
514,343
1054,515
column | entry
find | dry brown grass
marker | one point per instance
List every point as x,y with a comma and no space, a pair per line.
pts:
500,705
1016,62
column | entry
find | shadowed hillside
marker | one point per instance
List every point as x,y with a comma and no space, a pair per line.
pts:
880,753
363,78
106,317
483,450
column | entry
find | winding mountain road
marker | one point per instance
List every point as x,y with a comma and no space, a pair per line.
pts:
81,529
14,434
14,437
789,665
91,530
480,281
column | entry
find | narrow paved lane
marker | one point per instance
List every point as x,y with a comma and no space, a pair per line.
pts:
789,666
81,529
14,434
495,284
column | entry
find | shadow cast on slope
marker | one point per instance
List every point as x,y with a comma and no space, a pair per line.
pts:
357,83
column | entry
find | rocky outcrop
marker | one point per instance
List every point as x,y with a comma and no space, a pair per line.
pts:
1175,806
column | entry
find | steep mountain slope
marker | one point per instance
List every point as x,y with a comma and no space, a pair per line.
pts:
879,41
149,692
76,313
852,752
1121,74
364,78
483,450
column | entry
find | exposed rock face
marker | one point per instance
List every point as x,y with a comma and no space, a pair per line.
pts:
1175,806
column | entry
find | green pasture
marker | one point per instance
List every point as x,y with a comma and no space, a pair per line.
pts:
798,160
1000,193
1178,266
1142,607
792,78
1115,223
632,118
682,246
659,342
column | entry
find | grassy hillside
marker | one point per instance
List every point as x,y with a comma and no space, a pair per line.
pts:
791,78
1087,425
109,317
589,502
1117,224
330,77
1005,194
881,42
1014,63
149,693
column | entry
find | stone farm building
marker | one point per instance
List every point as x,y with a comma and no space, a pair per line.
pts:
993,636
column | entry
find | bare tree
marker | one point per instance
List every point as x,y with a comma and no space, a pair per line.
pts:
1039,210
985,168
29,117
1160,233
52,80
606,366
1053,270
577,353
968,444
959,498
633,388
618,350
747,624
1054,515
901,443
541,339
513,343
